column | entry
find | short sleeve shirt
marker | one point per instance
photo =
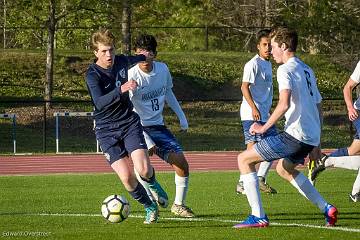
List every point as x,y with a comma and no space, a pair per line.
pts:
355,76
302,117
258,72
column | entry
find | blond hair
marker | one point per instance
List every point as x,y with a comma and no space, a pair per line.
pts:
103,36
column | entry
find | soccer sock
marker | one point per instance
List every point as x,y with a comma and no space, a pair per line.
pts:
241,178
356,186
304,186
340,152
264,169
140,195
181,184
251,186
347,162
145,184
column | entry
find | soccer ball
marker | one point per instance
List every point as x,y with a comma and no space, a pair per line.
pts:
115,208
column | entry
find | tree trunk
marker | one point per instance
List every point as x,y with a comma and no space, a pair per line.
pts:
50,54
311,39
267,14
125,27
4,26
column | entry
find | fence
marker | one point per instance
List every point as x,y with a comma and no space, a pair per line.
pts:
170,38
214,126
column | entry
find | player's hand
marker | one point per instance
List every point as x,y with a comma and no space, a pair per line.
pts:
353,114
256,114
148,54
129,85
184,125
183,130
256,128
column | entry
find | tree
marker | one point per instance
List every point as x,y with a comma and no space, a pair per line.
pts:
38,22
125,27
322,24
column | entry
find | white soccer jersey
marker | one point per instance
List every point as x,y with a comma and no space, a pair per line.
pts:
149,97
302,117
258,73
355,76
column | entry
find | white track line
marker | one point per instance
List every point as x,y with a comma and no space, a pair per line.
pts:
344,229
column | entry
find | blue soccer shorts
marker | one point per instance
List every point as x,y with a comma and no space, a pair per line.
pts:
356,124
283,145
257,137
164,140
117,141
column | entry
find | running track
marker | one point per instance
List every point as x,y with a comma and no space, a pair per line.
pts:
96,163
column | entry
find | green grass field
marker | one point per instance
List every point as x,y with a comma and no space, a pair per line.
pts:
67,206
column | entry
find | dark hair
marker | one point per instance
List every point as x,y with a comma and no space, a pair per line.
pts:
147,42
262,33
285,35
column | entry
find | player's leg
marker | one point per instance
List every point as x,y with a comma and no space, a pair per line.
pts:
354,149
263,170
264,166
270,148
168,149
342,158
354,196
314,157
150,146
181,167
249,142
286,169
117,156
240,185
246,163
135,189
136,146
346,162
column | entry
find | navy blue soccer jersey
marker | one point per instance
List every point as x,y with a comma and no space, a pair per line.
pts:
111,106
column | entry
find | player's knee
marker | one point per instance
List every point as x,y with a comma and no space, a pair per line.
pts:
145,172
128,180
243,159
180,164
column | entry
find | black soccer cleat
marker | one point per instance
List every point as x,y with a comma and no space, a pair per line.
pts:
355,197
319,167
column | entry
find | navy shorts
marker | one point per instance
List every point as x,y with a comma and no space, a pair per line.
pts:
117,141
356,124
257,137
283,145
164,140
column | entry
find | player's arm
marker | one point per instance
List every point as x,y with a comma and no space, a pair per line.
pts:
143,55
347,91
175,106
279,111
132,60
98,96
245,90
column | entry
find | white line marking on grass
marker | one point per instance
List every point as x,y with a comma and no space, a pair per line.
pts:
344,229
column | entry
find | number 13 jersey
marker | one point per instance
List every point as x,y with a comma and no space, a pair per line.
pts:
149,96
